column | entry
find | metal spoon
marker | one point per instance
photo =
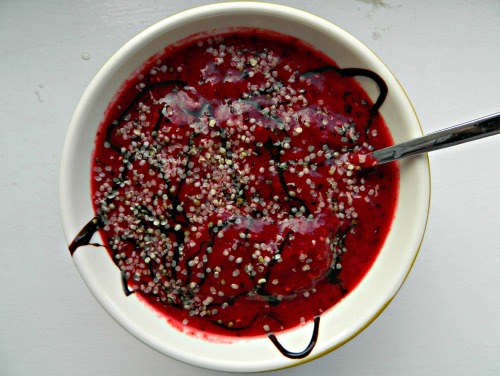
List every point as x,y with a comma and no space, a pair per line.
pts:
470,131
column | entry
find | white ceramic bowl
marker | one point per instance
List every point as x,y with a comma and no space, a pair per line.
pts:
353,313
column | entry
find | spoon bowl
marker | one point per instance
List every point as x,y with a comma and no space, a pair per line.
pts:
339,324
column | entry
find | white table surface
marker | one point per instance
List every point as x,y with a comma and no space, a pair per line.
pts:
445,319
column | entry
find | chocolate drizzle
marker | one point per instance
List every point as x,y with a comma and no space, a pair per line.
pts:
85,235
126,289
353,72
303,353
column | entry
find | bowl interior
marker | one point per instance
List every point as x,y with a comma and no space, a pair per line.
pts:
339,324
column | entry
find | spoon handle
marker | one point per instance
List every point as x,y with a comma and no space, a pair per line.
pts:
472,130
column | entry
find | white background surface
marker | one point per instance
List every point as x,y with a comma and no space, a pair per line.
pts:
446,318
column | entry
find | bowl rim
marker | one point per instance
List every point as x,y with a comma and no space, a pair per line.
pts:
292,15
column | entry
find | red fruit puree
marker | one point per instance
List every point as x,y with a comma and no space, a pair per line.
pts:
225,189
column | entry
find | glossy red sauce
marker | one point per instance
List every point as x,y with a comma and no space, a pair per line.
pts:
225,182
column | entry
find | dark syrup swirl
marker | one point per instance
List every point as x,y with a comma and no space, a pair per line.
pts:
84,236
353,72
303,353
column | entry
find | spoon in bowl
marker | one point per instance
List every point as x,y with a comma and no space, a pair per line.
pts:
459,134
